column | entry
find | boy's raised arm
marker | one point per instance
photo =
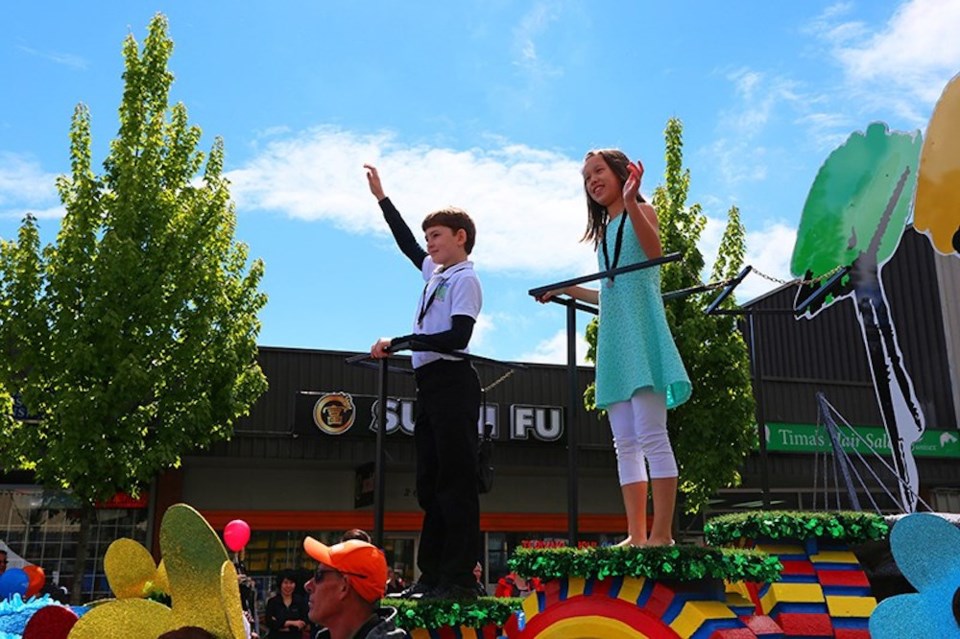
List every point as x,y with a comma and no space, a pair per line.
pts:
401,232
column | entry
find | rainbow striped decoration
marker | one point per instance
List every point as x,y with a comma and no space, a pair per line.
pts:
823,592
628,608
489,631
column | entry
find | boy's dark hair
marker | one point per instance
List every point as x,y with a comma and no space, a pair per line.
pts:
454,219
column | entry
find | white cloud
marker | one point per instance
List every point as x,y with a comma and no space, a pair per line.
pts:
49,213
709,243
23,181
904,65
528,204
482,331
738,154
736,161
827,130
768,251
26,188
66,59
531,27
553,350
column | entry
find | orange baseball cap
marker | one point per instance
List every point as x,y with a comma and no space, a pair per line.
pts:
363,564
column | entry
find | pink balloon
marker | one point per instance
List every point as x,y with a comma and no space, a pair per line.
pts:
236,534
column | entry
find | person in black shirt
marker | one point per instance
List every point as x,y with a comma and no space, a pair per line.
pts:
287,610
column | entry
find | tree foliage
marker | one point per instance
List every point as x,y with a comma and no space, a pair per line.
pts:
133,336
713,431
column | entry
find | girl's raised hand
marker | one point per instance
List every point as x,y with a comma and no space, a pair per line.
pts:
373,179
632,186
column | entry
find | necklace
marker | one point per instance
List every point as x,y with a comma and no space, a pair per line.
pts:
616,248
441,276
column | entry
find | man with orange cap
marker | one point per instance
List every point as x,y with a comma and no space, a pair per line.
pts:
346,588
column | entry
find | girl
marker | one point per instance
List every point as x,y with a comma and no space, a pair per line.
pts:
639,371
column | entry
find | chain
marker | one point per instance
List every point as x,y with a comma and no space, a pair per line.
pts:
715,285
501,379
797,280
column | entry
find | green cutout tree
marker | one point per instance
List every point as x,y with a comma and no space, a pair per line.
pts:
854,218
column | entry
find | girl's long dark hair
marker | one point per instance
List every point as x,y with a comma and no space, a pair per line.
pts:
597,215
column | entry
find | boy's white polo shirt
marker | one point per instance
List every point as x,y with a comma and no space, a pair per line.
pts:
454,291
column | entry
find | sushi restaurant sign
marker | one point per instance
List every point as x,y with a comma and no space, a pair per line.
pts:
810,438
340,413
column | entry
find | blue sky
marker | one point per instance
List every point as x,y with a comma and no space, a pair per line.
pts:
488,105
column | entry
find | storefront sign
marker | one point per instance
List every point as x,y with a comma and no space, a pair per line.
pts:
21,412
345,414
124,500
540,422
810,438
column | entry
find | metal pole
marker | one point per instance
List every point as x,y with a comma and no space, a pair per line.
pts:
378,495
572,398
833,431
761,420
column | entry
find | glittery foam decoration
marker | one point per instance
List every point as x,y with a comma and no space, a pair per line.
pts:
160,581
128,618
129,566
927,551
230,597
52,622
193,555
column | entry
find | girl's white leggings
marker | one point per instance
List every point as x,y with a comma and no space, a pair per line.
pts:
640,431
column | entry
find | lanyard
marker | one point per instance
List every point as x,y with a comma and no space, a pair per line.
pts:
426,303
616,249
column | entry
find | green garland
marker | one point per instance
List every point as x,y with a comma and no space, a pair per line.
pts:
685,563
437,613
848,527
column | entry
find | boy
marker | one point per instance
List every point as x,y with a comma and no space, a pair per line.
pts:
448,397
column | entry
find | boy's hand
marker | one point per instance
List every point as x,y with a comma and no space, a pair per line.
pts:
373,179
379,350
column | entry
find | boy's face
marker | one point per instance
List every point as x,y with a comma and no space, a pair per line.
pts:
445,245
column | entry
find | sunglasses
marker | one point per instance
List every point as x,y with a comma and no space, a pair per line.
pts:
321,571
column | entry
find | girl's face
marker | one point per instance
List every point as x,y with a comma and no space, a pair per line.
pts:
287,587
602,184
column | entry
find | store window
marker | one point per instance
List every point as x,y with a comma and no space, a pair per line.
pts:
42,527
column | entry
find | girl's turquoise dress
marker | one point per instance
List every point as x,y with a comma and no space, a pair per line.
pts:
635,349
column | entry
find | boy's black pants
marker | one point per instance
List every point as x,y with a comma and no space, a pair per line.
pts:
448,408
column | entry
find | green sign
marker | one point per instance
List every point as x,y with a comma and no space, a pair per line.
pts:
810,438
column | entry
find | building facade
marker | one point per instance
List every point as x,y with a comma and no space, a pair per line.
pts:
300,463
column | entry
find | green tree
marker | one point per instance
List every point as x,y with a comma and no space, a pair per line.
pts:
133,337
713,431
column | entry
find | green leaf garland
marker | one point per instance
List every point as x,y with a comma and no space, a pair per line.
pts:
439,613
684,563
844,527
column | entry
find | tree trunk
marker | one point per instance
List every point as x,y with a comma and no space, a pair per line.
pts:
87,514
899,408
